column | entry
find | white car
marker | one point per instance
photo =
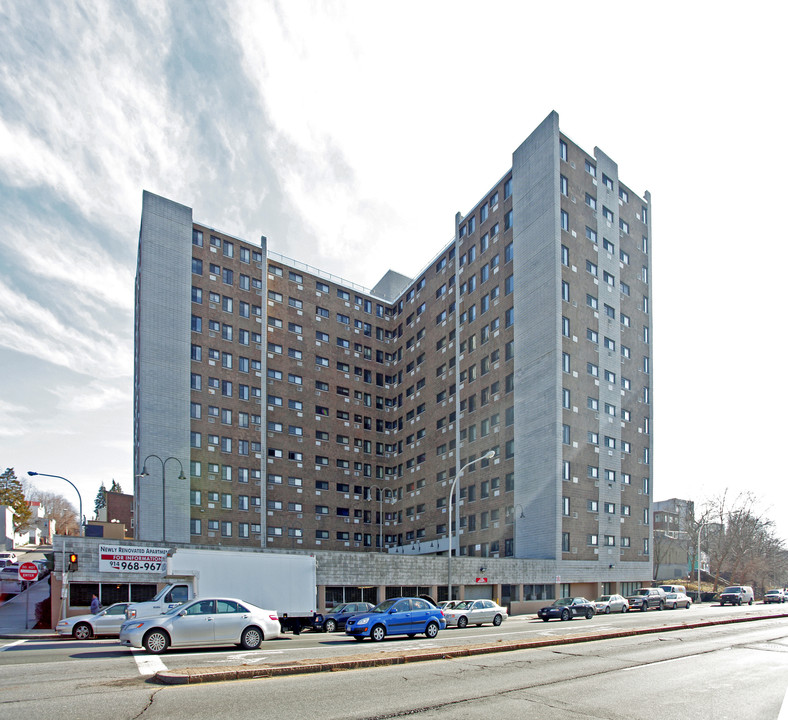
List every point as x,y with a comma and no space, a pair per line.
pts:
475,612
203,622
7,558
677,600
106,622
611,603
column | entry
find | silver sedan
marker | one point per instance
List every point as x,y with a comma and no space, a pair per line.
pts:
203,622
611,603
475,612
106,622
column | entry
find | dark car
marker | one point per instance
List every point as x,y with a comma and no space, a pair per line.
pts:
568,608
335,618
397,616
645,598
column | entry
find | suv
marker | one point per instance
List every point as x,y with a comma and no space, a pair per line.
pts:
737,595
645,598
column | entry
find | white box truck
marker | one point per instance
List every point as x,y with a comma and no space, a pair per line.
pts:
285,583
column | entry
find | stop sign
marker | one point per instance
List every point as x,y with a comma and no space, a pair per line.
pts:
28,571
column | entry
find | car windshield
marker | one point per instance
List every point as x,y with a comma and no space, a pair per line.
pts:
604,598
338,608
563,601
385,606
642,592
174,610
732,589
464,605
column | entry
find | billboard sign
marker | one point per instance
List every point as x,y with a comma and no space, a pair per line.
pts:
114,558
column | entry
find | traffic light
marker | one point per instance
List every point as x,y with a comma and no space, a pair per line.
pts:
73,562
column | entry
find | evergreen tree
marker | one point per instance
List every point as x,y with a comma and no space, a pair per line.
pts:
101,499
13,494
115,487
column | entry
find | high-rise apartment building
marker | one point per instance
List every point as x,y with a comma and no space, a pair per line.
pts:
277,405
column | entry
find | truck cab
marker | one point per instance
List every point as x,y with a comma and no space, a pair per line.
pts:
167,598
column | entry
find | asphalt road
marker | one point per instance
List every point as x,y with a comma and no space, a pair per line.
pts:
723,671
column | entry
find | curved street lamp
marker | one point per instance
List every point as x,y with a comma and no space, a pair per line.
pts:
145,473
489,455
60,477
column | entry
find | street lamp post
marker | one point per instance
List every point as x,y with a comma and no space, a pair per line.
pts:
145,473
700,530
60,477
487,456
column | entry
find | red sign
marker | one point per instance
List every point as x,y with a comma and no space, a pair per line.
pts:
481,580
28,571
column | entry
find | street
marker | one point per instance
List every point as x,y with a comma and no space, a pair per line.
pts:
738,670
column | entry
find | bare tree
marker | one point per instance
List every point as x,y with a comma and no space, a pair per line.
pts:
59,509
740,540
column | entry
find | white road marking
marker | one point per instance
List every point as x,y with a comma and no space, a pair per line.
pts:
148,664
13,644
658,662
784,708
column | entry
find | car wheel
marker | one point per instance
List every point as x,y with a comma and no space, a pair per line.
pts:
497,620
624,608
661,605
675,605
330,626
462,622
750,603
378,633
251,638
565,614
589,614
432,630
644,607
607,610
545,619
82,631
155,642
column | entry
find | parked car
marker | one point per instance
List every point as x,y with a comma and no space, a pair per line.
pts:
675,600
774,596
645,598
611,603
7,558
106,622
737,595
447,604
475,612
397,616
674,589
43,568
10,572
203,622
335,618
568,608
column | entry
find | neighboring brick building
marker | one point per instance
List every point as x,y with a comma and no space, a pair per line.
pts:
300,406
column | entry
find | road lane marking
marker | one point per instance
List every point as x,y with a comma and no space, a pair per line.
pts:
13,644
148,664
784,708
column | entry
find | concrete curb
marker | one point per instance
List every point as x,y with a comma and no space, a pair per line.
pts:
190,676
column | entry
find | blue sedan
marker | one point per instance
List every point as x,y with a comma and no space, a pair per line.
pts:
398,616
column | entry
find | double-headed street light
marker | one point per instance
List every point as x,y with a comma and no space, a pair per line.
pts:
60,477
145,473
489,455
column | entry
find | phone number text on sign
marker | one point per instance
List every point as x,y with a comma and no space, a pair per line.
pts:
113,558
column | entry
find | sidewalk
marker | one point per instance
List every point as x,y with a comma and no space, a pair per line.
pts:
18,614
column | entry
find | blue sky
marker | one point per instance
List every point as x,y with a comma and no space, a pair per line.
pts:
349,134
